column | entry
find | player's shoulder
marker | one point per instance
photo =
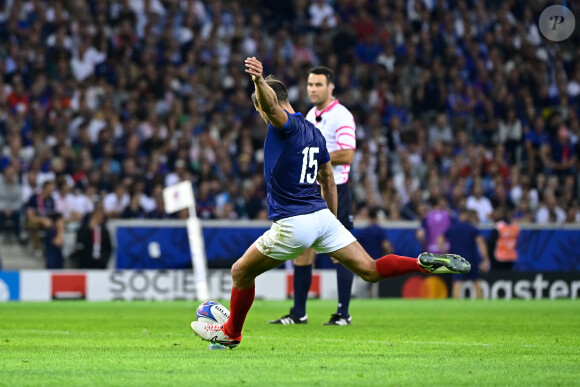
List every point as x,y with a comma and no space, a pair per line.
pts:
297,123
295,119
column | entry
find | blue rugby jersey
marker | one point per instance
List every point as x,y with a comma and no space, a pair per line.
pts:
292,156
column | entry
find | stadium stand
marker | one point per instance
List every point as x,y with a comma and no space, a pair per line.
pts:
116,99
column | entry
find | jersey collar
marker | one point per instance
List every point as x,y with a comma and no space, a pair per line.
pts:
326,109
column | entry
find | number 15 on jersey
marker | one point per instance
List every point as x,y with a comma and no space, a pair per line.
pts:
309,161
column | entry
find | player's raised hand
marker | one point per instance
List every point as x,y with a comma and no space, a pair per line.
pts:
254,68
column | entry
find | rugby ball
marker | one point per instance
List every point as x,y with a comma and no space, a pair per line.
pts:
212,312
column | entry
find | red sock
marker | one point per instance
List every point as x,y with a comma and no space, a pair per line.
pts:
240,304
394,265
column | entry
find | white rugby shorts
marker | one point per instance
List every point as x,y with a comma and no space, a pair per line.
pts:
289,237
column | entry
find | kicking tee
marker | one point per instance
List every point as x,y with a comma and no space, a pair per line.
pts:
292,156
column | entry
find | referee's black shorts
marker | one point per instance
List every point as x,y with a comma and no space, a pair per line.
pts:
344,210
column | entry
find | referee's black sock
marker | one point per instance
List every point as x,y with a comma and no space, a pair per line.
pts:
302,281
344,278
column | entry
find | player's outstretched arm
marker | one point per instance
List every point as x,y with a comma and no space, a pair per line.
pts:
265,94
325,178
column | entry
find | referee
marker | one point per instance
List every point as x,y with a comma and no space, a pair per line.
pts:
338,128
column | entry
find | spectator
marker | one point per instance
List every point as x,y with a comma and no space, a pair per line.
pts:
465,240
10,202
159,211
440,130
18,100
479,203
549,211
510,133
85,60
54,242
573,213
374,238
30,185
115,202
524,213
406,181
535,140
321,14
500,198
415,207
522,191
134,210
39,208
560,155
93,243
433,225
430,93
78,204
60,199
178,175
204,203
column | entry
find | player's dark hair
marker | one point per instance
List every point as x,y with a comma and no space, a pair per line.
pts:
279,88
323,70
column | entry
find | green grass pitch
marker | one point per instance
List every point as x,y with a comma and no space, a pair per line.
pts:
391,342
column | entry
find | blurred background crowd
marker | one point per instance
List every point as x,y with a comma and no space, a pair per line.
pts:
103,103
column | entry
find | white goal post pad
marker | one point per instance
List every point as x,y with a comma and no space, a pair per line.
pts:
198,258
178,197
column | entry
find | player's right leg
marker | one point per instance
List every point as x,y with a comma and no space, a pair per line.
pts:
301,281
244,272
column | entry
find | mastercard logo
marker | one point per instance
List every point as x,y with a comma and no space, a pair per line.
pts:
425,287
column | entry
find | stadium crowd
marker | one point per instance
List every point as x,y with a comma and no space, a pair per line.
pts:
112,100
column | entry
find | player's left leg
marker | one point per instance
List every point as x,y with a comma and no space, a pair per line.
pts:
359,262
341,245
355,258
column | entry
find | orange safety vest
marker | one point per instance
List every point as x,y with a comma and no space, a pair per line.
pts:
505,248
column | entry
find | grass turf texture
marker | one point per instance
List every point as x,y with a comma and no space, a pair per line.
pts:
391,342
